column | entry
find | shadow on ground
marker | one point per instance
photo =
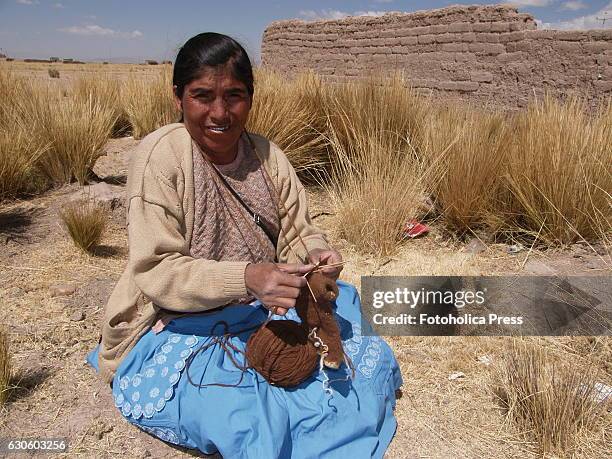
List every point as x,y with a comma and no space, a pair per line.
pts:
108,251
26,381
14,222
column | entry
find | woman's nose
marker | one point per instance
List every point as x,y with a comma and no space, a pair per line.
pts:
218,109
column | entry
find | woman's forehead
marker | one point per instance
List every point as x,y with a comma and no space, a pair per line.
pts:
219,76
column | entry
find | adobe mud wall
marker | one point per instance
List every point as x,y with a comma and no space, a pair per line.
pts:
489,54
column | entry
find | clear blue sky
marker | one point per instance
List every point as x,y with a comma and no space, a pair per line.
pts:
136,30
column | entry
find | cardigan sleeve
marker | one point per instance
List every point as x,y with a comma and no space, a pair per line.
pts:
163,269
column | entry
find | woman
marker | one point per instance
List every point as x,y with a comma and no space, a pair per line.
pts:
219,237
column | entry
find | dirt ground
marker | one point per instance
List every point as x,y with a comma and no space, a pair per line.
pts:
38,72
68,72
58,395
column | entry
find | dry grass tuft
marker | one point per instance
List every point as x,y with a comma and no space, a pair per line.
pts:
53,73
19,155
384,103
559,173
373,197
471,147
106,91
149,105
12,90
86,222
377,180
75,129
552,402
283,112
65,134
19,150
6,371
543,173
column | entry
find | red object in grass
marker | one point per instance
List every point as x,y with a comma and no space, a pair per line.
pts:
415,229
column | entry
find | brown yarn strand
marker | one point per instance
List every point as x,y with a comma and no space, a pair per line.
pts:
226,345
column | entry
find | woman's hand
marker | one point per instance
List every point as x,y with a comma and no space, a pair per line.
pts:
327,257
277,286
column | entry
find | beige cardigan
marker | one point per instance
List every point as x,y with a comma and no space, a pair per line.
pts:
160,272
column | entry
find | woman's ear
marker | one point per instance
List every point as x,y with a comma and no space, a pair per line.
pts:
177,99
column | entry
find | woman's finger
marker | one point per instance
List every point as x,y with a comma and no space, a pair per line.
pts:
294,281
279,311
326,258
286,291
281,279
294,268
284,303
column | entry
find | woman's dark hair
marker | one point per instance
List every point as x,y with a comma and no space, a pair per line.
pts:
211,49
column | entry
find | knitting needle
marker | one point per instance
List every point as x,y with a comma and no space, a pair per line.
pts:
317,265
305,276
332,265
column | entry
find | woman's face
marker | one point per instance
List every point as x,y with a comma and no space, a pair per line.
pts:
215,110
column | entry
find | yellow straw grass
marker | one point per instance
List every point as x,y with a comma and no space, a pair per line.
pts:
553,403
6,371
85,222
149,105
283,112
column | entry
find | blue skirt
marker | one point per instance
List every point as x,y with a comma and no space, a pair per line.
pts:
329,415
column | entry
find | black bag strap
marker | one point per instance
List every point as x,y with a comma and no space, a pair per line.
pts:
255,216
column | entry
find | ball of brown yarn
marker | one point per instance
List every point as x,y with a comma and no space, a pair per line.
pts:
281,352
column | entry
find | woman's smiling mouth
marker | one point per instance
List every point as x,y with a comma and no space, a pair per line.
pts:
218,128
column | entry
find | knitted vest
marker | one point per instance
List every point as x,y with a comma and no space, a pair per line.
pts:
223,229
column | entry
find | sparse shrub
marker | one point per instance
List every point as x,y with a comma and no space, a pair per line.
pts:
53,73
552,402
149,105
85,221
6,371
